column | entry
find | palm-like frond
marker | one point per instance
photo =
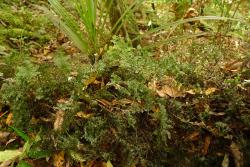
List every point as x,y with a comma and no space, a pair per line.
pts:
66,22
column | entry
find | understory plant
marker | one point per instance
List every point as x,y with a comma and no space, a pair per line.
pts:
92,23
103,108
112,109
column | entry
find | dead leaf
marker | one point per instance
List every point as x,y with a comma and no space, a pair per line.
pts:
190,13
168,80
233,66
167,86
225,162
74,73
46,51
34,120
68,163
4,136
90,163
6,163
58,159
210,91
152,85
84,115
206,145
63,101
104,102
247,63
89,81
109,164
191,92
122,102
193,136
47,58
3,113
169,91
217,113
81,164
61,38
59,120
10,141
237,154
9,119
156,109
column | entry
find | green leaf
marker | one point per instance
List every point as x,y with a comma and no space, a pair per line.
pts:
180,22
37,154
9,154
23,164
67,23
27,147
20,133
77,156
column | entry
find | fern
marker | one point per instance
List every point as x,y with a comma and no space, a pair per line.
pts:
19,91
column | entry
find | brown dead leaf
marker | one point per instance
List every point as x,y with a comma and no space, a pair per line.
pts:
90,163
152,85
190,13
59,160
81,164
156,109
4,136
34,120
169,88
84,115
90,80
206,145
168,80
104,102
61,38
216,113
193,136
122,102
59,120
237,154
47,58
169,91
210,91
3,113
6,163
46,51
233,66
74,73
68,163
126,101
247,63
166,87
10,141
9,119
62,101
191,92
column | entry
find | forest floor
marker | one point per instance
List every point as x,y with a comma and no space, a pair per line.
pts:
205,119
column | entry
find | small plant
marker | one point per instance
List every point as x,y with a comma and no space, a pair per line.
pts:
165,101
94,30
28,150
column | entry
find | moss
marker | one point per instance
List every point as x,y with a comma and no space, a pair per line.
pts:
20,23
22,33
